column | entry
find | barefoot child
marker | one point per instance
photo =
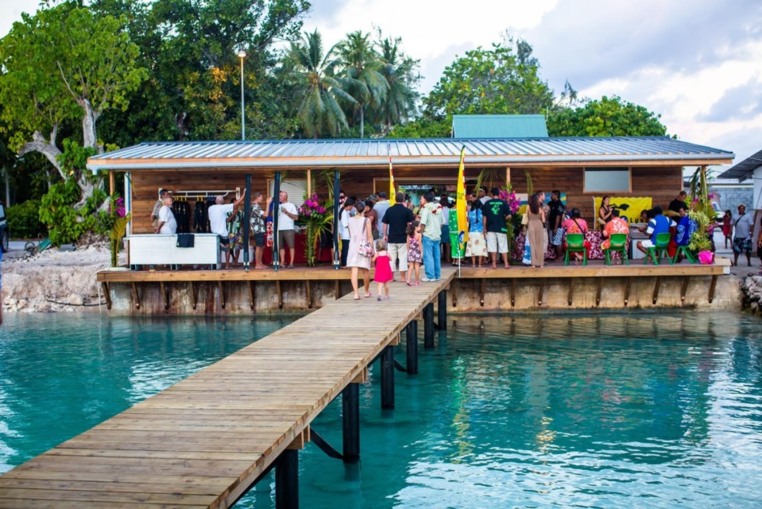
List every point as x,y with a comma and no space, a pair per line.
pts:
414,253
383,269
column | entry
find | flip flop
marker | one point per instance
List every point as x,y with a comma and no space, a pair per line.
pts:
356,297
368,296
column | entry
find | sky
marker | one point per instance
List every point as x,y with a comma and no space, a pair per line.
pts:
697,63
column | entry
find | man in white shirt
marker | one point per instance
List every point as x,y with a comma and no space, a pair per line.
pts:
218,215
743,225
287,214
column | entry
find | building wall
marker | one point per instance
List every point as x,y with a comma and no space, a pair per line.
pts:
661,183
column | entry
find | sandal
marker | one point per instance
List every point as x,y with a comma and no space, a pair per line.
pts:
368,296
356,297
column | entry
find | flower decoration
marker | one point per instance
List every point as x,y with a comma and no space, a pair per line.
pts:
316,219
508,196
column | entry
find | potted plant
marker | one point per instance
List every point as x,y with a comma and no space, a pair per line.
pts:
699,241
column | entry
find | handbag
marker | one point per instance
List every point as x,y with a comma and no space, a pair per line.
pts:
365,249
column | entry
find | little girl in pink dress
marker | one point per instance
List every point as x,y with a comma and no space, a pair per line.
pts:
383,269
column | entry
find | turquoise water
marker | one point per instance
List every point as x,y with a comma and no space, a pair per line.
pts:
620,410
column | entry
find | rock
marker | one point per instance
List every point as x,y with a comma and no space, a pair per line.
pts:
75,299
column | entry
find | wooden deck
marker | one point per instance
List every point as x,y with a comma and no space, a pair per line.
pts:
204,441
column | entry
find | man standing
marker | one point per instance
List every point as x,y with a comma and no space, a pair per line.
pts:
218,215
483,196
395,222
431,222
679,202
743,225
287,214
381,206
555,218
156,208
258,227
496,216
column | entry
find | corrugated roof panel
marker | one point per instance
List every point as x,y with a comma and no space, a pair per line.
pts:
445,151
499,126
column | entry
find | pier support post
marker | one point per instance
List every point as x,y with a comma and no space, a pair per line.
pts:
442,310
428,326
411,343
387,377
287,480
350,414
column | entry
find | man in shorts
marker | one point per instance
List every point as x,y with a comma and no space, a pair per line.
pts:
555,218
743,225
258,227
657,223
218,222
497,214
287,214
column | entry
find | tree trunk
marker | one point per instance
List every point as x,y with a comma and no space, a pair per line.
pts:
46,148
89,137
362,122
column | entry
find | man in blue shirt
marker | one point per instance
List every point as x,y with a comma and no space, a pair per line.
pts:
685,228
657,223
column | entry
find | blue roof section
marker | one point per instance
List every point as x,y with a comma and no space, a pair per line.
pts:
745,169
499,126
352,153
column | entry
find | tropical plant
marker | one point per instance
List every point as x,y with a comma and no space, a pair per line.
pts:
24,220
361,74
113,223
608,116
699,240
316,219
401,77
319,111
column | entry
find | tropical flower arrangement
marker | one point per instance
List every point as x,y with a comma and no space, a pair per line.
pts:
509,197
316,219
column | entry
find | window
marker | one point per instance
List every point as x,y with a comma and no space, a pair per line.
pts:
607,180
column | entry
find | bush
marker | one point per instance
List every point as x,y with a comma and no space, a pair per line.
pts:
65,223
24,220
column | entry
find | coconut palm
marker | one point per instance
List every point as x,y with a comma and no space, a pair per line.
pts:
319,111
401,76
361,74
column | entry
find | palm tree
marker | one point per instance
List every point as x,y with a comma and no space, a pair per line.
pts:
401,76
319,111
361,74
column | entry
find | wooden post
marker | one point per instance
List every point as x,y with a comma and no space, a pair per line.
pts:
442,310
411,344
309,182
350,416
428,325
111,183
287,480
387,377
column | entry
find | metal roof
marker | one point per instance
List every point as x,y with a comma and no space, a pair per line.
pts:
346,153
744,169
499,126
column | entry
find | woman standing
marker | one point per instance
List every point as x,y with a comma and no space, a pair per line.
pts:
359,232
604,213
536,231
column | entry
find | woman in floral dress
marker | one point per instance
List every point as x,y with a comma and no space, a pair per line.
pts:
477,244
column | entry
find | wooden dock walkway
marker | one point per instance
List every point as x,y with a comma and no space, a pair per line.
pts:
206,440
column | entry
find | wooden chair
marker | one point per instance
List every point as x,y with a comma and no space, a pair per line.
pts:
617,242
575,243
660,249
687,252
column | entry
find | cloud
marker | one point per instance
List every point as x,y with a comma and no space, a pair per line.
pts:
741,102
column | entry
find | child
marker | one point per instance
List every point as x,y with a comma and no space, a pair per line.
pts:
414,253
383,269
727,227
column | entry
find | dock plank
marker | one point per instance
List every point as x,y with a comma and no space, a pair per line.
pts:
204,440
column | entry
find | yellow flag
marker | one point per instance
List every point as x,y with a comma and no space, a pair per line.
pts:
392,188
460,197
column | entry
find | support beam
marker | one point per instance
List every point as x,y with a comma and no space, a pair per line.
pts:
276,200
136,296
350,416
337,289
194,294
684,290
246,220
712,288
336,216
570,294
540,291
279,291
287,480
598,291
442,310
221,289
481,292
411,344
513,292
106,294
309,294
428,326
252,295
627,284
164,291
387,377
657,285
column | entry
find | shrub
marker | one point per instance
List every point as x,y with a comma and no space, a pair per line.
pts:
24,220
65,223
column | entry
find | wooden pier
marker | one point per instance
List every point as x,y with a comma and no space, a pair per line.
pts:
206,440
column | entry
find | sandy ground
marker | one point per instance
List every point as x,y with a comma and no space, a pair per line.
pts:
64,280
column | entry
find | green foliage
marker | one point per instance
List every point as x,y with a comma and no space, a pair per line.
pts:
65,223
699,240
73,159
423,128
24,220
605,117
502,80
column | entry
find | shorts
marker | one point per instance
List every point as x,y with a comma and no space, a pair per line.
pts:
742,245
398,252
647,244
259,239
558,238
445,235
224,242
497,242
286,239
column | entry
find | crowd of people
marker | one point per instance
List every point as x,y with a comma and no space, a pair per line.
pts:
409,243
